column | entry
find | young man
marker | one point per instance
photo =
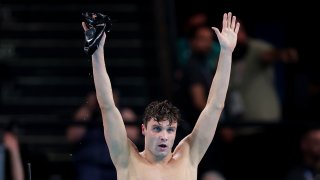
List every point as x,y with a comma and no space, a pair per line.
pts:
157,161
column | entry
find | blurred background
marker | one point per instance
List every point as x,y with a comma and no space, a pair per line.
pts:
159,49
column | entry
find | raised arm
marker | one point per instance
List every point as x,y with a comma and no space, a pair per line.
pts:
114,129
204,130
12,144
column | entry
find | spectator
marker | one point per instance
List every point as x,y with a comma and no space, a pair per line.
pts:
309,168
253,95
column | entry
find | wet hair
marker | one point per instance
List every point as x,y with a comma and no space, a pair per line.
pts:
161,111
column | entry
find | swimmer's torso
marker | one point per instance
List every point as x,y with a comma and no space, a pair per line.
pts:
178,168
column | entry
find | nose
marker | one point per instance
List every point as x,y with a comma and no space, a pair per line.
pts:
164,136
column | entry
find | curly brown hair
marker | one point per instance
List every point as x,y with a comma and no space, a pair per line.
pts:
161,111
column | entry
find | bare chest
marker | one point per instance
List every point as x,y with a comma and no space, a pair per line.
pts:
177,170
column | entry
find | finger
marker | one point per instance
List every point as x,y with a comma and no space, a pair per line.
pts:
229,20
237,28
216,30
85,28
233,23
224,21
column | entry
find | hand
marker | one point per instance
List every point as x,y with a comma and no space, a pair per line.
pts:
83,114
289,55
228,36
102,41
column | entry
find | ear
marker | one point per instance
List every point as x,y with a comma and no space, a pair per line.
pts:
143,129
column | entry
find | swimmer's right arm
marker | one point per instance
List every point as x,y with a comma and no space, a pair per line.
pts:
114,129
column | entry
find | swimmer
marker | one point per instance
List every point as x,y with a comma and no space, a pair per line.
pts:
157,161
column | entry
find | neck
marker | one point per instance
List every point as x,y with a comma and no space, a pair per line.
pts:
152,159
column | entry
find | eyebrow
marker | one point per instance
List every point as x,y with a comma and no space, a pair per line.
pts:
159,125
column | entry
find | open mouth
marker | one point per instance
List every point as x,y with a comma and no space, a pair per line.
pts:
162,145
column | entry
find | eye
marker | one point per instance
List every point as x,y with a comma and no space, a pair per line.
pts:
170,130
156,128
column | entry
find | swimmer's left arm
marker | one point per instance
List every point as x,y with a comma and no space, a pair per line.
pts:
204,130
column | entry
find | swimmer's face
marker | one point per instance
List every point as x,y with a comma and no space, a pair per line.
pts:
159,137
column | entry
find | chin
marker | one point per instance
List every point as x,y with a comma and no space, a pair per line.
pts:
162,154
